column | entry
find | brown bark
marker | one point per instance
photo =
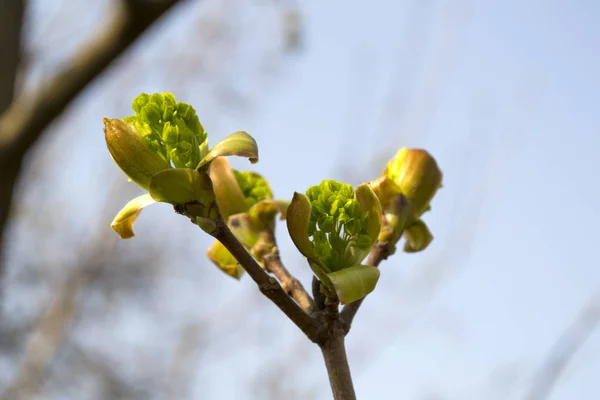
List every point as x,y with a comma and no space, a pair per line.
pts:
336,362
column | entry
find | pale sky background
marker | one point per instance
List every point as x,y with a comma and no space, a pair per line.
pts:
505,95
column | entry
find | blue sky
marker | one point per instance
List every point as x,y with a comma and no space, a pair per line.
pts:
505,95
520,77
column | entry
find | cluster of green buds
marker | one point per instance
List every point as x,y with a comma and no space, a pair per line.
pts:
164,149
335,226
405,189
246,203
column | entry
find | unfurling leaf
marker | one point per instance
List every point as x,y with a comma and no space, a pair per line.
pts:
174,186
385,189
123,222
354,283
237,144
243,228
369,204
131,153
417,236
298,218
230,197
223,259
267,209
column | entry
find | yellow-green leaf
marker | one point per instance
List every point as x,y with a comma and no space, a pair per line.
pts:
223,259
369,203
174,186
267,209
298,217
354,283
230,198
131,153
237,144
417,236
244,229
385,189
123,222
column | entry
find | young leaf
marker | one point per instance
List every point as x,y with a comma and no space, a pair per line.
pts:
123,222
417,236
174,186
131,153
267,209
242,227
237,144
229,194
223,259
369,203
354,283
298,218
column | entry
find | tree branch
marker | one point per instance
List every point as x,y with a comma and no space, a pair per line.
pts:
333,348
11,21
31,112
267,285
380,252
318,295
274,265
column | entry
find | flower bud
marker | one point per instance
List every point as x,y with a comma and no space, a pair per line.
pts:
171,129
335,226
254,187
417,175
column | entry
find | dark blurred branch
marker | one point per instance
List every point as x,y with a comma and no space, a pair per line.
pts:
564,350
31,112
11,21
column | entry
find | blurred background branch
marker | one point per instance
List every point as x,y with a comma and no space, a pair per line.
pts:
564,350
24,119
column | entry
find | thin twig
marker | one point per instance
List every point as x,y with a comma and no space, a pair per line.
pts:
267,285
274,265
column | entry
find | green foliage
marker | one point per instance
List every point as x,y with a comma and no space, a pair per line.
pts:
164,149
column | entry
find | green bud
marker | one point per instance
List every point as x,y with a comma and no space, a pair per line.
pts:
417,175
